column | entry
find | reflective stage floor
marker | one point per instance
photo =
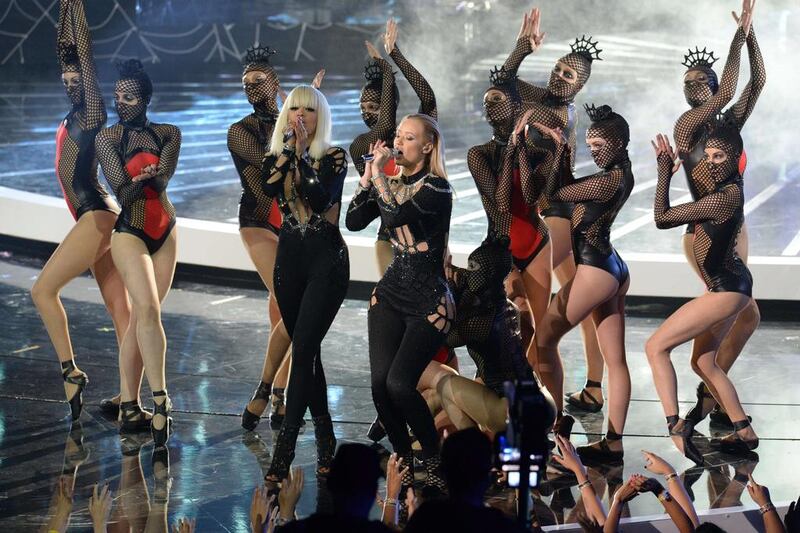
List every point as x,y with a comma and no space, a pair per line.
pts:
216,342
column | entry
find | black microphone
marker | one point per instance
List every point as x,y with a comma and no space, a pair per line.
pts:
370,157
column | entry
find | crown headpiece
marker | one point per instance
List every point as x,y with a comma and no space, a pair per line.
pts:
587,48
699,58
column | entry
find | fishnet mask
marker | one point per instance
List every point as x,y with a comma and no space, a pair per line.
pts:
696,92
263,94
130,114
500,115
614,132
561,88
373,95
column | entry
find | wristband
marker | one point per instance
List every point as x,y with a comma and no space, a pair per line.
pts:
664,496
288,151
280,521
671,476
586,483
390,501
767,507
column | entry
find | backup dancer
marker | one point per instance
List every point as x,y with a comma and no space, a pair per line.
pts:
554,107
701,88
87,244
379,101
306,174
487,323
717,216
260,221
411,309
138,158
601,280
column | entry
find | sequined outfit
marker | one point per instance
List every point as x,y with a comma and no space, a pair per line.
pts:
411,309
312,268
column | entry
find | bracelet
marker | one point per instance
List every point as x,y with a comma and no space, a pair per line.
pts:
281,521
665,496
586,483
671,476
390,501
767,507
288,151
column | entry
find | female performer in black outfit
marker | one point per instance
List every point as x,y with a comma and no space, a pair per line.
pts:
138,159
708,97
601,280
411,309
306,174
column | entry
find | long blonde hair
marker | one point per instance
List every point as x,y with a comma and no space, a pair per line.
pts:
435,163
305,96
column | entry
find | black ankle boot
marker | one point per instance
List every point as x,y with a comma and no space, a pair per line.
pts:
251,420
133,418
690,451
283,454
160,435
326,443
76,401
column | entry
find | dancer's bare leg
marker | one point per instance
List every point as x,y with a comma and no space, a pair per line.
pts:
564,270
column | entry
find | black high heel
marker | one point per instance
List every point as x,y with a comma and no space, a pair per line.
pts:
695,415
600,452
563,426
593,405
326,443
162,482
164,408
283,455
110,408
75,452
278,401
690,451
133,417
76,401
250,420
733,443
376,431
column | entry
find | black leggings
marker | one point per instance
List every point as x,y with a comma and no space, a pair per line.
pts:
400,347
311,277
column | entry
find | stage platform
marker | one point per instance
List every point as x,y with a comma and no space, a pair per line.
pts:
216,339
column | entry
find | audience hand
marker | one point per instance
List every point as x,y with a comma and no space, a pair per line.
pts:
291,488
759,493
100,506
394,476
184,525
656,464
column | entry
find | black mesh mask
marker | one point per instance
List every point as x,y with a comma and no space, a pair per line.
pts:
371,92
501,114
612,128
133,80
696,92
262,95
68,59
584,52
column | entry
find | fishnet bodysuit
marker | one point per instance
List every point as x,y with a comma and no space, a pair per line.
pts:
123,151
486,321
549,110
598,199
695,125
717,216
248,141
76,161
509,189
